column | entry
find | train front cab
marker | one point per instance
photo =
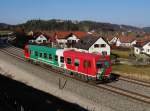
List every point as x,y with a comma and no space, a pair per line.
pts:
103,67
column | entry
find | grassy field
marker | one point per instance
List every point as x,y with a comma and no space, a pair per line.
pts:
139,72
4,32
121,54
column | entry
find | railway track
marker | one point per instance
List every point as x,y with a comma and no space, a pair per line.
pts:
131,94
143,83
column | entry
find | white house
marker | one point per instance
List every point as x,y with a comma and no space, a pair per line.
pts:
126,41
112,40
63,40
143,47
93,44
123,41
72,39
39,39
68,39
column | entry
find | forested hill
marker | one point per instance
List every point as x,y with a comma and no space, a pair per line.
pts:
69,25
146,29
4,26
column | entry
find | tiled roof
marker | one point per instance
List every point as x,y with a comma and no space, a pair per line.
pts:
127,39
109,38
66,34
86,42
79,34
141,43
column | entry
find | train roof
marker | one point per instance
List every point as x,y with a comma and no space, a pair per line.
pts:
72,52
42,48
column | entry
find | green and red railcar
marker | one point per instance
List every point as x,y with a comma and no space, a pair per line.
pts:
87,66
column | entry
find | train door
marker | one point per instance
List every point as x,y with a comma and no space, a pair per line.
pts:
100,65
60,55
87,66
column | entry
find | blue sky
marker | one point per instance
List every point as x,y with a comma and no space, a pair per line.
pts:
131,12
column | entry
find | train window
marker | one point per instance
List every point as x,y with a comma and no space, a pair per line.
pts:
50,57
107,64
99,64
76,62
62,59
68,60
40,54
45,55
30,52
86,64
36,53
56,58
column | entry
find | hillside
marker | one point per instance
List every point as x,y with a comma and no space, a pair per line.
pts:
54,24
4,26
146,29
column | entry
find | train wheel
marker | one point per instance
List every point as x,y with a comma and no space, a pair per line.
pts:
86,78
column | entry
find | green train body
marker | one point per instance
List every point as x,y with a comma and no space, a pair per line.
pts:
43,54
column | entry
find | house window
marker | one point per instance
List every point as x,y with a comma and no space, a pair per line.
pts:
76,62
73,41
62,59
36,53
96,45
137,50
50,57
104,53
44,41
148,50
69,41
86,64
40,54
39,41
68,60
56,58
45,55
103,45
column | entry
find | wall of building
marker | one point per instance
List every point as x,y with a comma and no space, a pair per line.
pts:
100,49
146,48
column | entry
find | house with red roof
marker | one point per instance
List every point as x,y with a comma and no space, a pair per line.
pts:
142,47
39,38
112,40
126,41
68,38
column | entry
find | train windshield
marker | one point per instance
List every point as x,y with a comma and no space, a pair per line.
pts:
102,64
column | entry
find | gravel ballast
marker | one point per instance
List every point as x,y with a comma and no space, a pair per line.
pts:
74,91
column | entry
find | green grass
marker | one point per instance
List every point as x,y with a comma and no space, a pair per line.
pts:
121,54
133,71
4,32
